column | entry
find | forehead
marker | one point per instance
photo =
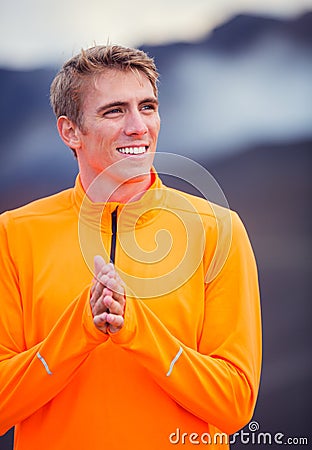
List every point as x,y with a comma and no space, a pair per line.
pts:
118,85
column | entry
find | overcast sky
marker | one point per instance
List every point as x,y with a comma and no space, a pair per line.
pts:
38,32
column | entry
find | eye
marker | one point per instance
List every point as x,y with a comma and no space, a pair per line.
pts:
149,107
112,112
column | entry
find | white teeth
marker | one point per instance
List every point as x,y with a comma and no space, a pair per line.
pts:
132,150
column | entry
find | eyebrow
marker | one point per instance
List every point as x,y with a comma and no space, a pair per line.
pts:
120,103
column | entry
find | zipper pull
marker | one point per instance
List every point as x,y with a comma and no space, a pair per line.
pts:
114,236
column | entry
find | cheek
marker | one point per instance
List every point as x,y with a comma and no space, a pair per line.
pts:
156,126
111,132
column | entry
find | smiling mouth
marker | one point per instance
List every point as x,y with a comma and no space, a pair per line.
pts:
132,150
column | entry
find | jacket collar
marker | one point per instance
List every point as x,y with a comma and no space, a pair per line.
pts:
130,214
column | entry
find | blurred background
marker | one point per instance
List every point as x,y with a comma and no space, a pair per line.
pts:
235,96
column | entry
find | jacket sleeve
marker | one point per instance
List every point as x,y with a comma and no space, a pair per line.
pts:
29,378
218,381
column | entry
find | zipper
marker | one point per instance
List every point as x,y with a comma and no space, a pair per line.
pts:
114,236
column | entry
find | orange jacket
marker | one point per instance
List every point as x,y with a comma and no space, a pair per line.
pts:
188,357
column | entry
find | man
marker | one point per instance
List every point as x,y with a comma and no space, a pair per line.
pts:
159,343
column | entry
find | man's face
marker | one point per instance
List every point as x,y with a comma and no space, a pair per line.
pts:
120,122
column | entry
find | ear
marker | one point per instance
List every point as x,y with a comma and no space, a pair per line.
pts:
69,132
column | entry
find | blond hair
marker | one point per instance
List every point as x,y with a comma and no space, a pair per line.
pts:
71,82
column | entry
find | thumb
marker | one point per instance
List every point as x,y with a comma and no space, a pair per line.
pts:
98,264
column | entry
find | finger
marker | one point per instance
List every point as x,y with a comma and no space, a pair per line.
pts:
105,269
115,286
99,263
113,306
102,280
100,322
99,306
115,322
120,299
98,286
96,293
110,271
98,290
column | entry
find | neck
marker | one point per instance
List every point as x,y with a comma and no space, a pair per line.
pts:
104,189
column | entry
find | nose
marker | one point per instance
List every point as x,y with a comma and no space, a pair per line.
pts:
135,124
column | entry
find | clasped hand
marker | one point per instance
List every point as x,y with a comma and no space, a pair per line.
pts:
108,297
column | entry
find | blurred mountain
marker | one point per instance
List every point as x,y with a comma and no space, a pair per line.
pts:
247,82
238,33
240,103
24,98
245,30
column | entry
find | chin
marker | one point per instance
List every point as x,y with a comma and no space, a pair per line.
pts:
134,168
135,175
